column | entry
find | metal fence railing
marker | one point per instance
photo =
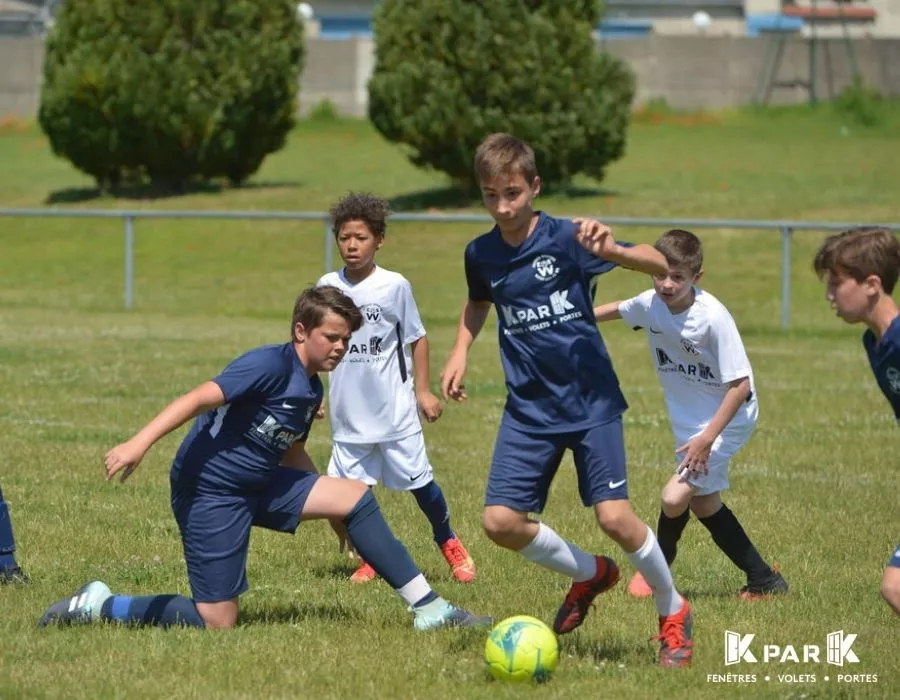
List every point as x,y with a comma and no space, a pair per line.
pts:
128,217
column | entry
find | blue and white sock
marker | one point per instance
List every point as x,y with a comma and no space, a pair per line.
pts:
158,610
377,545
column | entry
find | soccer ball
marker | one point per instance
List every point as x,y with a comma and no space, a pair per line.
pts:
521,649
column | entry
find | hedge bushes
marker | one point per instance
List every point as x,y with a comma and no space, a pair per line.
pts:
448,72
171,90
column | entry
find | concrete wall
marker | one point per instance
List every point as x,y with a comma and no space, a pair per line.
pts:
720,72
21,61
689,72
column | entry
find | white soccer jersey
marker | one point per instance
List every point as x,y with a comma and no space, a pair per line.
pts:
696,352
370,395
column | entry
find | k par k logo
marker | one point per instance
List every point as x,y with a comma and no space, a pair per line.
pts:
838,650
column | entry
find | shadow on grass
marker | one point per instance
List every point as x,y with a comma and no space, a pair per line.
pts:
451,197
300,612
612,651
718,594
75,195
343,572
454,197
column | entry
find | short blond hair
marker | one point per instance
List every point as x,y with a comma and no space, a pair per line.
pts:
504,154
860,253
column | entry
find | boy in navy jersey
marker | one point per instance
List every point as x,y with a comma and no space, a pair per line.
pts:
860,268
562,390
244,463
11,573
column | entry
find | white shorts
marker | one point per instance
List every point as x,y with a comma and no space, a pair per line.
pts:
401,465
724,448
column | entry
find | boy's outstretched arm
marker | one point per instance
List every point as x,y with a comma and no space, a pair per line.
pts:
597,238
697,449
607,312
428,403
128,455
471,321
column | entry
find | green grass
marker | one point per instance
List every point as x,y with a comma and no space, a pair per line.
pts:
815,487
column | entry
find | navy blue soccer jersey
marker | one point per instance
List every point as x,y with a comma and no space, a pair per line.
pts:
884,356
270,404
558,372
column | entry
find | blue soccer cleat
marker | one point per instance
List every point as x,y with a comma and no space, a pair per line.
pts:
443,614
83,607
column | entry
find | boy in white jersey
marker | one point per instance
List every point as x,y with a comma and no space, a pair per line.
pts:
376,394
711,399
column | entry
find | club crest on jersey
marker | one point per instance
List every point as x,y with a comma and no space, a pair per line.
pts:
545,268
372,313
893,378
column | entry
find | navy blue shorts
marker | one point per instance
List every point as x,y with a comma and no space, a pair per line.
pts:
524,464
895,560
215,529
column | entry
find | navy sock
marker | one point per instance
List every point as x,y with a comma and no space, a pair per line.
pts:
432,502
158,610
730,537
376,544
7,543
668,532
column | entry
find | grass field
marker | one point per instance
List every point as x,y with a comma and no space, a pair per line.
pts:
815,488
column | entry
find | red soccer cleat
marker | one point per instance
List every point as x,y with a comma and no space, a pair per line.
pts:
461,565
581,595
364,573
676,638
638,587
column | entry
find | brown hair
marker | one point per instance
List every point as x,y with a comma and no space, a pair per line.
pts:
372,210
681,247
313,303
504,154
859,253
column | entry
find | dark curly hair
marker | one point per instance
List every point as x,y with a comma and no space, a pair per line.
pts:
361,206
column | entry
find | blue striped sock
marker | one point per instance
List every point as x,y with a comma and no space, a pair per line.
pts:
159,610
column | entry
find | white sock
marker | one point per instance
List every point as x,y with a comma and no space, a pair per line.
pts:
649,560
552,552
415,590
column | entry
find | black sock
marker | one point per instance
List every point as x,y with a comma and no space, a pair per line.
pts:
433,504
730,537
668,532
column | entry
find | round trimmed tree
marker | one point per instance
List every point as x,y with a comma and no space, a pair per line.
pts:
171,90
449,72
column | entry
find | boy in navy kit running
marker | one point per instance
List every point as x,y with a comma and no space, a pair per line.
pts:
562,390
11,573
860,268
244,464
376,393
711,400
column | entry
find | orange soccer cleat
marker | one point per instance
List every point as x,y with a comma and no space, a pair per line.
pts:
461,564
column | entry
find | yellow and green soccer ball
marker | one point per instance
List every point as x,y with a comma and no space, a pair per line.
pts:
521,649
